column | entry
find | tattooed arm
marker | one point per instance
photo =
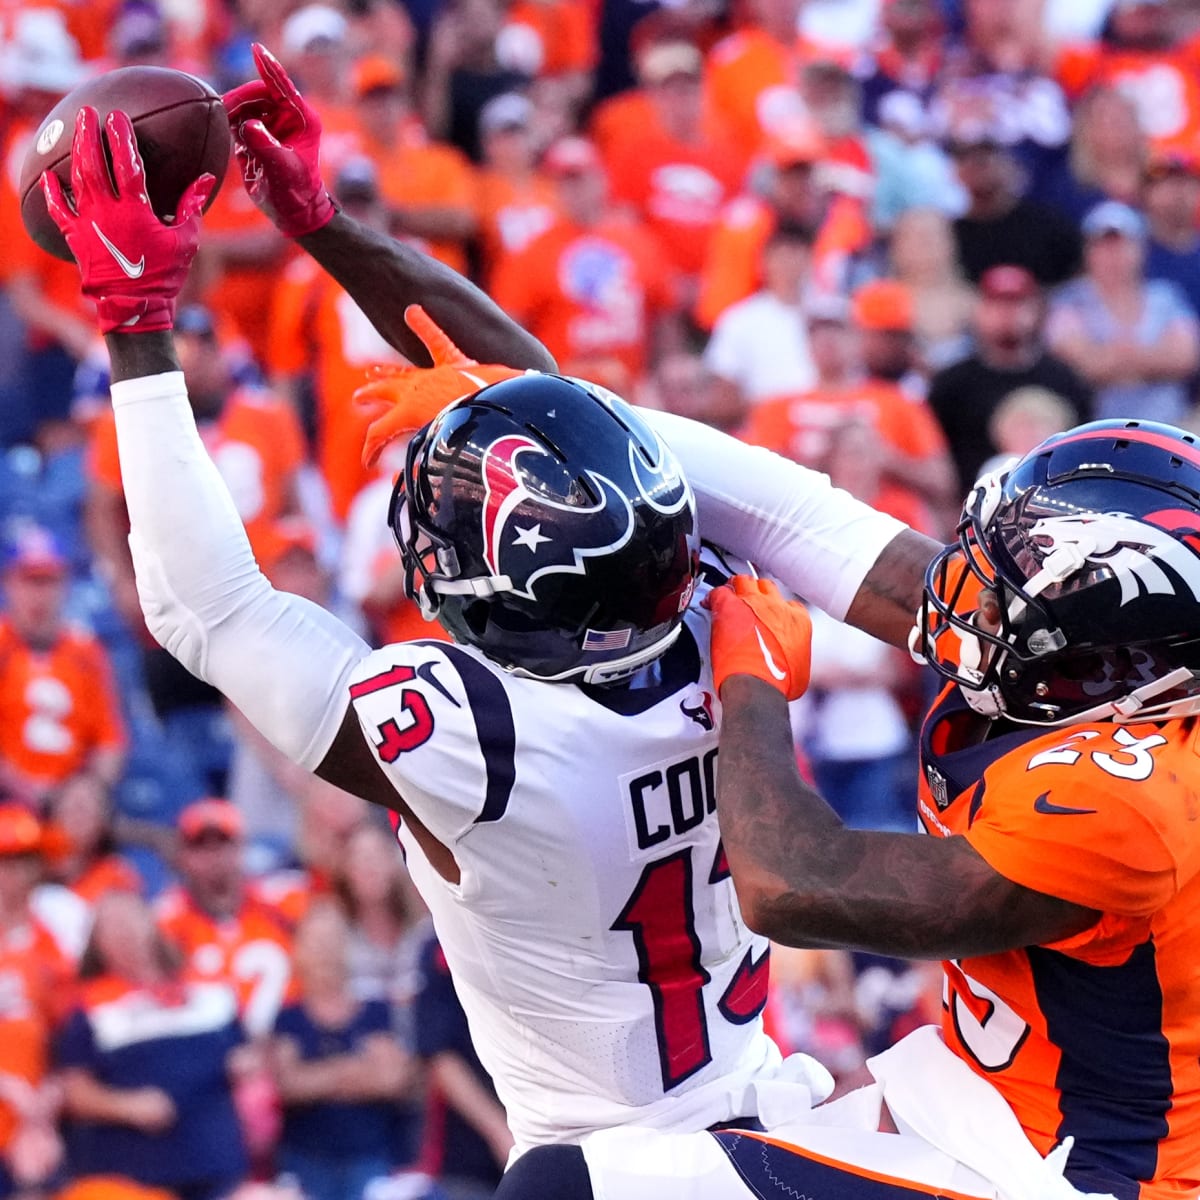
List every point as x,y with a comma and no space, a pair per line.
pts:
890,593
804,879
384,276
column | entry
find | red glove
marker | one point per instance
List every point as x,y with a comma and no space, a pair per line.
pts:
277,140
401,399
105,229
755,631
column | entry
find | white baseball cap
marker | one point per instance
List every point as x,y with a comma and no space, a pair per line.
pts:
313,23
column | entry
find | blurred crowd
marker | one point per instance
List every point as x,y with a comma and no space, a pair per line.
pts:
898,241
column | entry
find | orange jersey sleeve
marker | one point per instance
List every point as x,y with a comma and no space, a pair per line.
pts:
103,463
730,272
289,345
1099,816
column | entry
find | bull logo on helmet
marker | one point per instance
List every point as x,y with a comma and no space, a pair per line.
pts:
1133,549
524,538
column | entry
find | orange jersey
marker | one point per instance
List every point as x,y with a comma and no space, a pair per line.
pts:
421,173
800,427
564,30
511,215
753,81
251,951
630,115
240,294
57,280
588,294
731,266
256,443
1164,85
1097,1036
57,706
103,875
679,190
317,327
35,994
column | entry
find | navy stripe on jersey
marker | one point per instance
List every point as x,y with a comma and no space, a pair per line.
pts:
1115,1073
768,1169
494,729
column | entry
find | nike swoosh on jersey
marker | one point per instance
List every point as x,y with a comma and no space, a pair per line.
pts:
1043,805
780,675
132,269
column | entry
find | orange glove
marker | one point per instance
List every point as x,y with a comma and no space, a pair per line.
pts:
401,399
755,631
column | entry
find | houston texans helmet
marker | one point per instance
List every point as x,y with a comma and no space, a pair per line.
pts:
1073,591
543,521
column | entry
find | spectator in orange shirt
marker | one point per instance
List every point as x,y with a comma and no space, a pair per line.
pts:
793,192
555,38
59,711
313,42
631,113
801,426
753,72
225,931
254,439
427,185
516,201
35,998
883,314
674,174
317,331
1141,54
594,287
87,862
41,63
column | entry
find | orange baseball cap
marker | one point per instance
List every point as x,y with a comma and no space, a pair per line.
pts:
20,830
210,816
374,73
288,533
794,142
883,305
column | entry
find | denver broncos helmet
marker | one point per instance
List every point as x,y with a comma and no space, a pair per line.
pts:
542,521
1073,591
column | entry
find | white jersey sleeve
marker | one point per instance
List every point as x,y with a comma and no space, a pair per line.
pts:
788,520
442,729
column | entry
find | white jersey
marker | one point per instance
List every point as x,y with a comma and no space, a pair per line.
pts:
595,938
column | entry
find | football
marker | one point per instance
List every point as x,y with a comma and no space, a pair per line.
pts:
182,132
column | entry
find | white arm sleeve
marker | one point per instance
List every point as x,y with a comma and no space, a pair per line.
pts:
282,660
791,522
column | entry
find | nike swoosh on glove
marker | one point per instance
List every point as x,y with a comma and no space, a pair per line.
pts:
277,141
755,631
132,264
400,399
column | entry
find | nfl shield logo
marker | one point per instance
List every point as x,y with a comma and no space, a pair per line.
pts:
937,787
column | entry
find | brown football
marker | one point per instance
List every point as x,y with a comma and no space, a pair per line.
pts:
182,132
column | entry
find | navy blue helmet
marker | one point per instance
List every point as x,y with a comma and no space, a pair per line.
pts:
542,521
1073,591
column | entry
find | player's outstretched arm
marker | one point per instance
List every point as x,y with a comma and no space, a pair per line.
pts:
802,877
276,138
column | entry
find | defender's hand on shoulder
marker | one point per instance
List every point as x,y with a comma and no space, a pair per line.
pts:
755,631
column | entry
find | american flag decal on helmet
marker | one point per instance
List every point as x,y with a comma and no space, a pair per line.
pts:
606,639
